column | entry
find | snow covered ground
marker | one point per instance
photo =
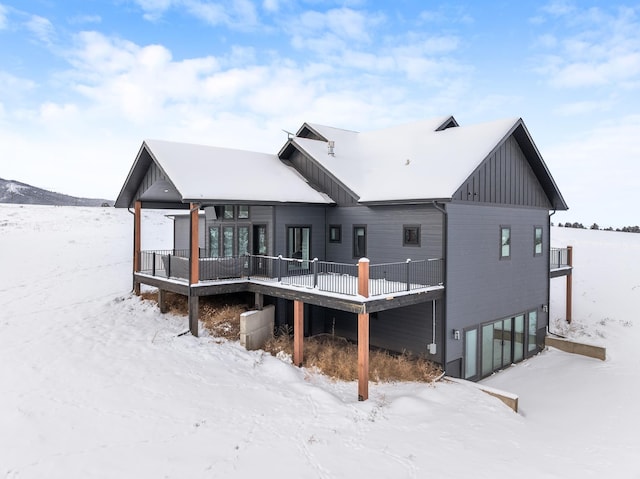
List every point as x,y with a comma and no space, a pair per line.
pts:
96,383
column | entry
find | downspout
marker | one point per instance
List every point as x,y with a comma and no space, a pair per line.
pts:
445,228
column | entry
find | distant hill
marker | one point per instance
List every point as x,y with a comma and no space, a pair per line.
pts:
21,193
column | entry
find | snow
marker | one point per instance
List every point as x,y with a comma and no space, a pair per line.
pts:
97,383
407,162
239,175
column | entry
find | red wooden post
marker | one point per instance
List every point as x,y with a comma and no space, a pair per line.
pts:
137,223
194,251
363,333
363,357
298,332
569,283
363,277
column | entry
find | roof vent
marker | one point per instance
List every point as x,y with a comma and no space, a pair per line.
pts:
330,146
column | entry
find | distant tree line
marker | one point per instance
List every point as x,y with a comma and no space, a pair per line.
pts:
595,226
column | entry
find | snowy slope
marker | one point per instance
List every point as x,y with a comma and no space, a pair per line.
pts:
96,383
16,192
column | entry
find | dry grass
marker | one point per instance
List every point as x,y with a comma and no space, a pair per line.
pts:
219,314
333,356
338,358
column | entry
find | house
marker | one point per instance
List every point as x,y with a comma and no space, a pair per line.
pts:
429,237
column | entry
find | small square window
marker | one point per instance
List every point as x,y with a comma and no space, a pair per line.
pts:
243,211
335,233
228,212
411,235
505,242
537,241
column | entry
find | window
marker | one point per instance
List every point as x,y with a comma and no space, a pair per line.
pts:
227,212
533,328
537,241
299,245
243,212
227,241
335,233
214,242
505,242
470,353
410,235
359,241
243,240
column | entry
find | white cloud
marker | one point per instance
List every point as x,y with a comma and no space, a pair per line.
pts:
232,13
582,108
592,47
85,19
42,28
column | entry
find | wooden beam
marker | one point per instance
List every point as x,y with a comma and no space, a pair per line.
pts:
298,332
137,242
363,277
569,283
194,247
363,357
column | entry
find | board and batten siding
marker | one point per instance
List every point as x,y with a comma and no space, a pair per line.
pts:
505,177
481,287
152,175
385,232
321,179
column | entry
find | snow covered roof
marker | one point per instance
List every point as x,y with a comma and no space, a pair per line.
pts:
407,162
196,173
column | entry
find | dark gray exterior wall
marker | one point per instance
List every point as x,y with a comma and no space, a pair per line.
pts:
505,177
303,215
404,329
480,286
384,232
321,179
407,329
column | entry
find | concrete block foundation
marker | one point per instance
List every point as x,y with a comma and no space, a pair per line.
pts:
256,327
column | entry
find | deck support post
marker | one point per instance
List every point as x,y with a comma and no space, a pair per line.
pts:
569,284
162,300
363,357
137,224
258,301
363,333
194,267
298,332
194,314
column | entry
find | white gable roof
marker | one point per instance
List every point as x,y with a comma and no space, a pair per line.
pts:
210,173
407,162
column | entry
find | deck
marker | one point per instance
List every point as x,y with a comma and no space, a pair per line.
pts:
335,285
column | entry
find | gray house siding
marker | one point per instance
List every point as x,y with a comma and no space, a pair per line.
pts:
303,215
481,287
321,179
385,232
505,177
181,232
407,329
152,175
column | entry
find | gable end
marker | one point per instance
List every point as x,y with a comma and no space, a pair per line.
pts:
504,177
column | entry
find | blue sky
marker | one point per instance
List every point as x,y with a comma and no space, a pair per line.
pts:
83,82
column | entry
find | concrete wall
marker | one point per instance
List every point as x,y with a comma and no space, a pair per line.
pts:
256,327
